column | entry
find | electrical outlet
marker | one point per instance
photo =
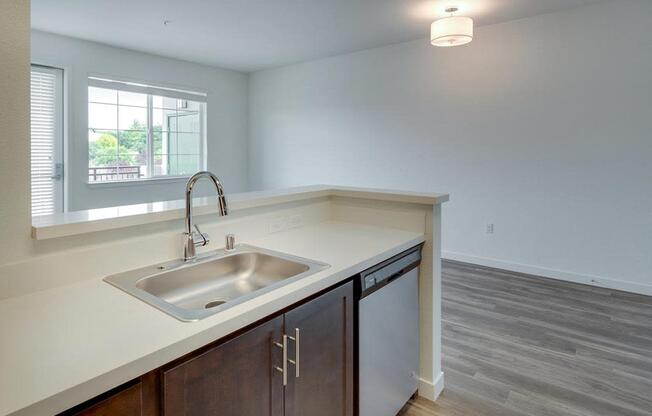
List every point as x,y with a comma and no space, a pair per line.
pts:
489,229
277,225
295,221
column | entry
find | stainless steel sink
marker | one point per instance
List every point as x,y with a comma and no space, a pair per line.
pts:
215,281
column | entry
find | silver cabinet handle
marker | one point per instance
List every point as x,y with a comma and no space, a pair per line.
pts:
284,369
297,347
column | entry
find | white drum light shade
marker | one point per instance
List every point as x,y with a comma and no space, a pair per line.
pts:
451,31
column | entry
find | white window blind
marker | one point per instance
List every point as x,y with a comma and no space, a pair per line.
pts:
46,137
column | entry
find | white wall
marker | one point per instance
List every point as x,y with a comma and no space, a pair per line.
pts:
542,126
226,116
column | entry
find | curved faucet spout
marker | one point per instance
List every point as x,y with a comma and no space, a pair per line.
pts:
190,243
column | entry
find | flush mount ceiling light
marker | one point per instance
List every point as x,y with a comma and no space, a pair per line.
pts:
451,31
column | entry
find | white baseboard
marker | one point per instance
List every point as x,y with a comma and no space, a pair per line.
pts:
431,390
592,280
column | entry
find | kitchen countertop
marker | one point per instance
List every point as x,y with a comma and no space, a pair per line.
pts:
65,345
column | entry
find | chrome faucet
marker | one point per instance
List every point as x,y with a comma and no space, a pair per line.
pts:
189,252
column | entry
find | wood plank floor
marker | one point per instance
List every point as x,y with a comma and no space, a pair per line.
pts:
517,345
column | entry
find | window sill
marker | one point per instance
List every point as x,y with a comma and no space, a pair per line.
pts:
137,182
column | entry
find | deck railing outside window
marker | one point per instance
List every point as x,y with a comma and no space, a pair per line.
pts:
114,173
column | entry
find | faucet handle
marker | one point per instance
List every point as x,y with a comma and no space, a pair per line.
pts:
204,237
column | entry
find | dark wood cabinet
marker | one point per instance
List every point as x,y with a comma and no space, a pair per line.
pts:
240,376
236,378
325,383
127,403
137,398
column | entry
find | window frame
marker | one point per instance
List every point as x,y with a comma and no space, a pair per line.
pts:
151,91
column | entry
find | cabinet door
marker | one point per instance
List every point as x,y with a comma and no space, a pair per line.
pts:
136,399
236,378
325,383
127,403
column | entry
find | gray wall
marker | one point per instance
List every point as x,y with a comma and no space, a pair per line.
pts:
226,118
541,126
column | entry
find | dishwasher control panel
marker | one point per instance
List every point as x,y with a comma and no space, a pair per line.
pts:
378,276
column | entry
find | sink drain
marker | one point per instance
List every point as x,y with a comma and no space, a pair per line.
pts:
214,303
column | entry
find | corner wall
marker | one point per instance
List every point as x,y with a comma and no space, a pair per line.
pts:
541,127
15,217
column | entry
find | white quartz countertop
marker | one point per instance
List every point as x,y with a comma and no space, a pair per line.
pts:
62,346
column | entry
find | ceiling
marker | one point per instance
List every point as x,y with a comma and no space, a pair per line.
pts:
250,35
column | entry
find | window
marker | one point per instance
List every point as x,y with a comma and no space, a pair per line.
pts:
138,132
46,100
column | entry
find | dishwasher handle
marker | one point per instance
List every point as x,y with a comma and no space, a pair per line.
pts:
395,276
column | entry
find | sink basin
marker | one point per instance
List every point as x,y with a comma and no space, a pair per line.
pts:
215,281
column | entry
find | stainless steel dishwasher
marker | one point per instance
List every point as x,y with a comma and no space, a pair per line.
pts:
388,334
